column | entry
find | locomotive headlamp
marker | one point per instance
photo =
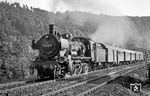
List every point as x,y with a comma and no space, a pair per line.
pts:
47,37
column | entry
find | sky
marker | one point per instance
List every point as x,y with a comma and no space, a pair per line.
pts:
108,7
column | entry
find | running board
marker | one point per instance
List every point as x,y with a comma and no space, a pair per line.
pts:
81,58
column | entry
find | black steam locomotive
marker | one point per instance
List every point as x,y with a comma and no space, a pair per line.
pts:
61,55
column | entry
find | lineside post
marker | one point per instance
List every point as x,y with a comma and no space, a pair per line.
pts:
148,66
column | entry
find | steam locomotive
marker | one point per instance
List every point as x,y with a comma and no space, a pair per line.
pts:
61,55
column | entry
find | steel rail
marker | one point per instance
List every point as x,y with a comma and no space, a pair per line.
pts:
82,83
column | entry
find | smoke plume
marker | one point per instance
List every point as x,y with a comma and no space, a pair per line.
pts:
115,31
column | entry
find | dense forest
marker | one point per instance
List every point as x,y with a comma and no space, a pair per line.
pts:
19,25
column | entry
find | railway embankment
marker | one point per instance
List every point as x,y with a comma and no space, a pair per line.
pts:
122,85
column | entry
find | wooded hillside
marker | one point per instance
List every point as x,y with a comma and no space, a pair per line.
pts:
19,25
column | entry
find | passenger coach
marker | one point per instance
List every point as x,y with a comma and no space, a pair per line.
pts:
112,56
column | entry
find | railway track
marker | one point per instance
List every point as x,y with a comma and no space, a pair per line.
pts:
45,87
17,84
11,85
23,83
90,85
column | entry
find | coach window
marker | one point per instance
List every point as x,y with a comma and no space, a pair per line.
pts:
113,55
94,46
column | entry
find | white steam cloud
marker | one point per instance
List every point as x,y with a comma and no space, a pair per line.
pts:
115,31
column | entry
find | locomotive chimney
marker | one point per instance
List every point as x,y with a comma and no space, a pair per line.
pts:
51,28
